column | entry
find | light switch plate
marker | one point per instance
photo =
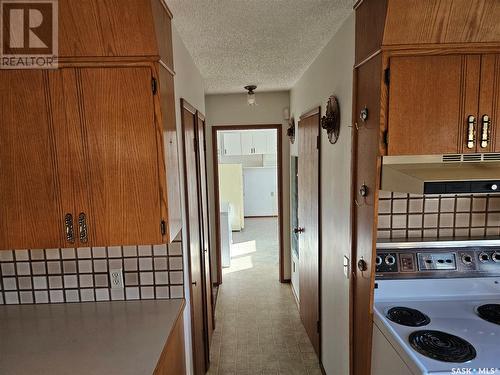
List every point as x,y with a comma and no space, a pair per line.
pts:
116,278
346,266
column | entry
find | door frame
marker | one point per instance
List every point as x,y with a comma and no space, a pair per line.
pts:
215,156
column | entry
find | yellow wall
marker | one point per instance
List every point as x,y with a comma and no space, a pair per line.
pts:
231,191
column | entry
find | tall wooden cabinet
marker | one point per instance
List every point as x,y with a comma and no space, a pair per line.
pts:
88,152
422,71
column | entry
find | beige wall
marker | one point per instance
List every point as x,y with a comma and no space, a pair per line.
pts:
188,85
232,109
331,73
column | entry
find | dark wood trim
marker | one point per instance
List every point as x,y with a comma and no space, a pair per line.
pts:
279,139
357,4
310,113
320,242
201,116
185,104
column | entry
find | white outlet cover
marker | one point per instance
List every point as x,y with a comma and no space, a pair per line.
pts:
116,278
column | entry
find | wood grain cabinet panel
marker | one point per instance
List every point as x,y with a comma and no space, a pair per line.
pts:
30,204
430,99
173,358
119,125
489,104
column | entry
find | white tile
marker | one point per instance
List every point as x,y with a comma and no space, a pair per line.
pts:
55,282
56,296
115,263
129,251
447,205
85,266
11,298
6,256
117,294
101,280
430,220
160,250
53,267
1,299
161,277
41,296
68,253
176,277
175,248
144,251
52,254
162,292
431,205
39,282
464,204
21,255
99,252
24,283
9,283
114,252
72,296
102,294
37,254
86,281
87,295
83,253
131,278
70,281
147,292
38,268
8,269
145,264
23,268
177,291
146,278
69,266
132,293
25,297
130,264
100,265
175,263
160,263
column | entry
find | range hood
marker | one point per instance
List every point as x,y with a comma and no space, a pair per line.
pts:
442,174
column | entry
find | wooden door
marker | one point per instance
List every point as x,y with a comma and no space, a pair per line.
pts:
122,158
205,225
366,164
199,335
489,104
308,208
30,211
430,100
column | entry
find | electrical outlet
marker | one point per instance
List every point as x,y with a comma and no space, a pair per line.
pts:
116,278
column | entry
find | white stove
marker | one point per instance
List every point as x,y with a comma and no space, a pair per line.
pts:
429,324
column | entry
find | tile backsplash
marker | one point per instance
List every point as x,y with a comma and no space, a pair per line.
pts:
81,275
420,216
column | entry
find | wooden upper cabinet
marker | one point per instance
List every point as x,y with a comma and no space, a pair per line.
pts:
123,179
489,105
30,206
163,27
430,101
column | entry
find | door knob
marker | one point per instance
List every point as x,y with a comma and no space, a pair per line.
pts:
362,265
298,230
194,283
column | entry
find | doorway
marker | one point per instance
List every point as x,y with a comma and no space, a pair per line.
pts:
248,198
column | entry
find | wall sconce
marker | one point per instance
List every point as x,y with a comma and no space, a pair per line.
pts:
331,121
251,94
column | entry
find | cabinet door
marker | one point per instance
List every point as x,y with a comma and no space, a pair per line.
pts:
259,140
246,143
489,105
232,144
121,147
430,100
30,213
272,142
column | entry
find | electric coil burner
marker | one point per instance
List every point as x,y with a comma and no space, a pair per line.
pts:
408,317
490,312
442,346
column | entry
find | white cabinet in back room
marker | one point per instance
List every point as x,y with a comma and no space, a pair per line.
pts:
232,143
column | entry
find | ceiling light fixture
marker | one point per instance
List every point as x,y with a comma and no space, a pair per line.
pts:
251,94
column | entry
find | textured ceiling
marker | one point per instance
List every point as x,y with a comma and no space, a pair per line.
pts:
269,43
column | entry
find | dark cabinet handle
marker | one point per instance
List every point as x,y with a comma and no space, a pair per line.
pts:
362,265
298,230
471,131
485,132
68,228
82,227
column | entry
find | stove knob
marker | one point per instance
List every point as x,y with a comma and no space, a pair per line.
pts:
390,260
378,260
496,256
466,259
484,257
494,187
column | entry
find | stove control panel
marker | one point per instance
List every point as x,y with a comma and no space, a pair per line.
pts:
437,262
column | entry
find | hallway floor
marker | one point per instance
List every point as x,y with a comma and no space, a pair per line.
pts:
258,327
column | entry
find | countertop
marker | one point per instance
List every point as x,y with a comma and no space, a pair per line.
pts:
91,338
